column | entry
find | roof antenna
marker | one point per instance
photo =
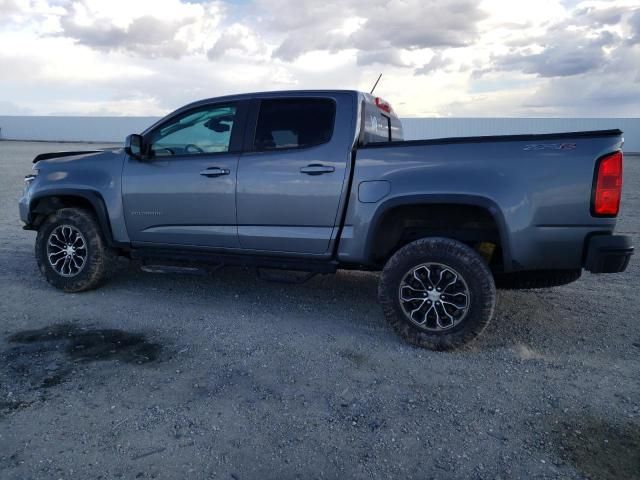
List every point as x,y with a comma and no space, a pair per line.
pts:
375,84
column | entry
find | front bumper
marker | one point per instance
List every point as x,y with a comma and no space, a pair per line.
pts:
608,253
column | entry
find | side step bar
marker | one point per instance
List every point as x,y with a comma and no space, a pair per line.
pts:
203,263
173,269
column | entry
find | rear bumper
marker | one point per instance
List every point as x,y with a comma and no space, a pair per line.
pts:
608,253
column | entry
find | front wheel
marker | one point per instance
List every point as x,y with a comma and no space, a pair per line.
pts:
71,251
437,293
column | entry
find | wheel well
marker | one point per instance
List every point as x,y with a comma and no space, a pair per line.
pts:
41,208
472,225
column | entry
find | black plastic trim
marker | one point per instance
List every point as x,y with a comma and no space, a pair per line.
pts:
608,253
496,138
345,205
48,156
247,260
96,201
453,199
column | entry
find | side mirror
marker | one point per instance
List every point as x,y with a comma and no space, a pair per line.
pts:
133,146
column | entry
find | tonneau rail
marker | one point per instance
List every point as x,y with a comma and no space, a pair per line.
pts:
497,138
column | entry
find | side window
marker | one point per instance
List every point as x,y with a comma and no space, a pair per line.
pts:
205,130
381,124
294,123
377,125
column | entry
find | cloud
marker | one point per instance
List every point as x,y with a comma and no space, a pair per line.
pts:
598,17
10,108
554,61
240,40
575,97
22,12
145,35
173,29
389,56
437,62
413,24
634,25
380,26
578,45
492,57
9,7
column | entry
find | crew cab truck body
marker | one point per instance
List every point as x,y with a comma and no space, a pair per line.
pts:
322,180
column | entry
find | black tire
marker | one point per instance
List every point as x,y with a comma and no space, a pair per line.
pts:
100,260
536,279
454,255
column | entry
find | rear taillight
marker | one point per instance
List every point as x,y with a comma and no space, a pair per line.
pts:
607,188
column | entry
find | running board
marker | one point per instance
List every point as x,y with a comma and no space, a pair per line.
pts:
200,259
173,269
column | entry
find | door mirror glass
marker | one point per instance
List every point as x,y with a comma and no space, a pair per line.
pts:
133,146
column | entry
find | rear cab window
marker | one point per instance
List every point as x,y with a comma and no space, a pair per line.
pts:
294,123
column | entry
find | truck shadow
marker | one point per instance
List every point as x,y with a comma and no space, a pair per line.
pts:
346,297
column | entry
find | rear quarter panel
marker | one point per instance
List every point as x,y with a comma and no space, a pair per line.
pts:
540,198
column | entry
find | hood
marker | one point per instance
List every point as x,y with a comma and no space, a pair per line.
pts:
75,153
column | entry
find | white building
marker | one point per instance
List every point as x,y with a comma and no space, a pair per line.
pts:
115,129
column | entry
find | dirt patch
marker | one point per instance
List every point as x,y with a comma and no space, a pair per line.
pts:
358,359
39,360
88,344
598,449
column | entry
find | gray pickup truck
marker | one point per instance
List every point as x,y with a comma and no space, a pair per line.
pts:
315,181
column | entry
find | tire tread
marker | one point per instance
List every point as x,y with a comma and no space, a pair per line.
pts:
444,250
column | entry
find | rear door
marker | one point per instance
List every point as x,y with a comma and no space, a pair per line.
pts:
184,192
291,178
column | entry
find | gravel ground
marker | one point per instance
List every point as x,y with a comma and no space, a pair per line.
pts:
167,376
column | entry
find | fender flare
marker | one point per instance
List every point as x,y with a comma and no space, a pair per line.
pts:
431,199
93,197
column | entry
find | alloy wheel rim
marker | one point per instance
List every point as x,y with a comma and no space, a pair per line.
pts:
434,297
67,250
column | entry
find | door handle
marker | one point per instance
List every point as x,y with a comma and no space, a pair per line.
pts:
214,172
317,169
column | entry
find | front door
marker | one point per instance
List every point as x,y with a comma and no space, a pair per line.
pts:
183,192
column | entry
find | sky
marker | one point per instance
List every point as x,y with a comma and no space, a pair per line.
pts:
439,58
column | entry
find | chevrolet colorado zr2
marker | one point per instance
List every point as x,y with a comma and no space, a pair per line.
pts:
315,181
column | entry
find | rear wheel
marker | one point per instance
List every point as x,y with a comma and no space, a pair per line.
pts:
437,293
71,251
